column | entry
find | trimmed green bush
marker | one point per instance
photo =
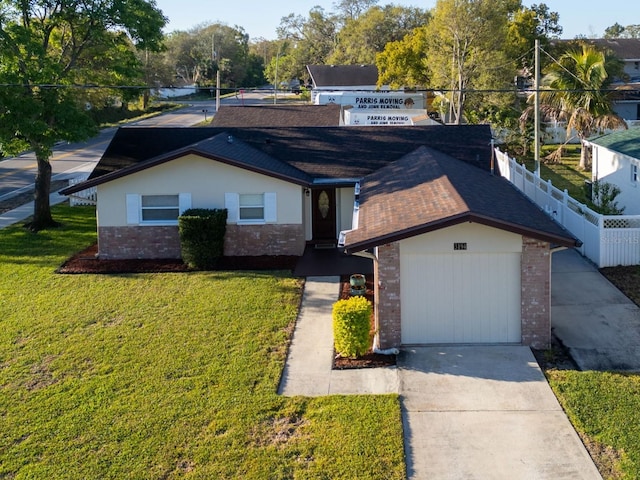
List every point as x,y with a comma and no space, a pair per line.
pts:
202,237
351,326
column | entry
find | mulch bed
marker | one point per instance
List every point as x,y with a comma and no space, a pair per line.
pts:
87,262
370,359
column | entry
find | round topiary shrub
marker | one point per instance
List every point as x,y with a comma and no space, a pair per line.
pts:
351,326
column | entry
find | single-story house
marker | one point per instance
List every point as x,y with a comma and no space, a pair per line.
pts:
335,78
615,159
460,256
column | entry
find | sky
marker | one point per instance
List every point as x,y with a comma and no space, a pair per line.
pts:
260,18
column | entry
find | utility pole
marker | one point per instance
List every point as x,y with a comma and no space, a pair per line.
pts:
536,106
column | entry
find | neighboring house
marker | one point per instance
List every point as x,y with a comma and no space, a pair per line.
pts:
278,116
626,101
354,87
460,255
615,159
336,78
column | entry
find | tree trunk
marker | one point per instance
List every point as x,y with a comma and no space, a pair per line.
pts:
585,161
42,218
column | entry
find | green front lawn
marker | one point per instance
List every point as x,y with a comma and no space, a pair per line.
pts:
164,375
605,408
564,175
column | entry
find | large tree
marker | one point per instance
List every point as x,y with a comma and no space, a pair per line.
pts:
577,89
47,49
195,56
314,37
618,31
362,38
404,62
466,50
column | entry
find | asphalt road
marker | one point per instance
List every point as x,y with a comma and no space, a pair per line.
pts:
17,174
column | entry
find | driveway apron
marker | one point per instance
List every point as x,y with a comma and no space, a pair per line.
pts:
485,412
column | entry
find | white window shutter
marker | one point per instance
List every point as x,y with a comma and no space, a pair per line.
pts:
184,202
133,209
232,203
270,207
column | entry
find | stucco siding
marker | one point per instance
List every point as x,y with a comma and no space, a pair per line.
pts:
206,180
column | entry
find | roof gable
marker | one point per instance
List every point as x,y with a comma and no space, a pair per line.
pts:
222,148
626,142
428,190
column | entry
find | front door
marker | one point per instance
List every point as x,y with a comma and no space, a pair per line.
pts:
324,214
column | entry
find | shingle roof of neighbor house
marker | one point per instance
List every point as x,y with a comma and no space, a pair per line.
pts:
624,48
342,75
277,116
414,178
427,190
626,142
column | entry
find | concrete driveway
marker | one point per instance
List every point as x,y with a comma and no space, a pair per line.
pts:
485,413
597,323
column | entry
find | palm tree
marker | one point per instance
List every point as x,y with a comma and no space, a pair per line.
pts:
577,89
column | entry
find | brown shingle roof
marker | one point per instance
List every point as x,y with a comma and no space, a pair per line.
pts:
623,48
427,190
278,116
320,152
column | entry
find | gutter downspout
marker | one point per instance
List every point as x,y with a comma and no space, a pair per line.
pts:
376,321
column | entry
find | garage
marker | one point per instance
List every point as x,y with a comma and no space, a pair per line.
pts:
461,285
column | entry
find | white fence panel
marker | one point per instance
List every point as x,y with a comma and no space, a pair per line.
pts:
607,240
88,196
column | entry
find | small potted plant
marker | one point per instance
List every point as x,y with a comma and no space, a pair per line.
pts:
358,284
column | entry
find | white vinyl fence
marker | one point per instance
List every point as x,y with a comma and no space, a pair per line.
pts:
83,197
607,240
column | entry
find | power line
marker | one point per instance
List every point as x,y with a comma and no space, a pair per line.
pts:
408,91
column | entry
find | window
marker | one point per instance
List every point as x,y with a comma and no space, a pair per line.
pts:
156,209
160,208
634,173
251,207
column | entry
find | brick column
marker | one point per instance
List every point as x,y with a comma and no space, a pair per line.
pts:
387,292
535,283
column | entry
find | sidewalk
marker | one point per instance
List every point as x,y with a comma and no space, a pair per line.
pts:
308,368
25,211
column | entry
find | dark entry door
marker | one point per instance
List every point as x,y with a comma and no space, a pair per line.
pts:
324,214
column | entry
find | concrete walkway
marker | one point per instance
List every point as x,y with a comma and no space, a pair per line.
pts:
468,412
308,368
598,324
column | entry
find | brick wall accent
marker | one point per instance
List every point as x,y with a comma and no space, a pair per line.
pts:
138,242
164,241
535,283
250,240
387,293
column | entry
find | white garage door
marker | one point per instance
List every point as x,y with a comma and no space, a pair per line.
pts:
460,297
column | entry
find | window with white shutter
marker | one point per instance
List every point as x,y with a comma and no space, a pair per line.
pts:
251,208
